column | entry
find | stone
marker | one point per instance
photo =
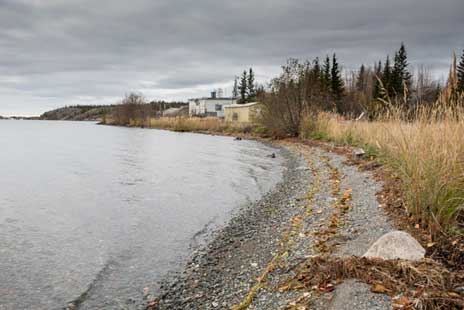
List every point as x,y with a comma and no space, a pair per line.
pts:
358,152
396,244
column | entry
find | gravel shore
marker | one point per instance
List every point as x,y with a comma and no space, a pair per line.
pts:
250,259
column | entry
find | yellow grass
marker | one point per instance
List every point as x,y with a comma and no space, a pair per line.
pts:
208,124
427,154
191,124
425,148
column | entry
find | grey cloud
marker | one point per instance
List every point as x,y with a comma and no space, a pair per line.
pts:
169,49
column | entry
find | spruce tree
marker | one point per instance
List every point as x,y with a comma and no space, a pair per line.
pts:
337,87
387,76
360,78
251,86
460,73
243,87
400,75
326,79
377,78
235,89
316,68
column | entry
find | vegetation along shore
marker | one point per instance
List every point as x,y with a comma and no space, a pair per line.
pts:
379,150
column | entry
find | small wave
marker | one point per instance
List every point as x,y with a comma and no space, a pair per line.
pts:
76,303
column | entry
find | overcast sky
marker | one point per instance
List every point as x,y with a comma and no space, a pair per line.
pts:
63,52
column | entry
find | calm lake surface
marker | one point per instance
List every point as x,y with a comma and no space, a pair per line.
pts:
110,210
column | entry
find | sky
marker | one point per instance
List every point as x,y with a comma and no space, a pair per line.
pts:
55,53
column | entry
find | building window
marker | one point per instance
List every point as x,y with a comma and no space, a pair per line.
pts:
235,116
218,107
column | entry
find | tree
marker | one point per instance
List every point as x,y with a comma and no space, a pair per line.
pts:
326,79
317,70
387,77
243,87
460,73
251,86
377,78
360,83
400,76
235,89
337,87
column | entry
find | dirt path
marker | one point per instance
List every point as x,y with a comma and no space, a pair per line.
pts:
323,207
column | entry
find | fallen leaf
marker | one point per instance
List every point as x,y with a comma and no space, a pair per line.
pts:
400,302
430,244
453,294
379,288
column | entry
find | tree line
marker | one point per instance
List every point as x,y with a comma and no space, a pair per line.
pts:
135,107
308,87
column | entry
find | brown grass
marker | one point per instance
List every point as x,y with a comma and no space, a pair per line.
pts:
424,147
415,285
192,124
427,155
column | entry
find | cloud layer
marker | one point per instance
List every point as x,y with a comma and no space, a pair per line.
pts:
55,53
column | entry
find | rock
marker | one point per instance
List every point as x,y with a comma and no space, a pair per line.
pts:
358,152
71,306
459,289
273,155
396,244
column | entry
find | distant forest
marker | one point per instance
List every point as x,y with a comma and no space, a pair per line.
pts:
97,112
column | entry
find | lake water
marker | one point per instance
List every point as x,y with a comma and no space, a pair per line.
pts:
111,210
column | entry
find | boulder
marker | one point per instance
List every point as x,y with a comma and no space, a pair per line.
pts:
396,244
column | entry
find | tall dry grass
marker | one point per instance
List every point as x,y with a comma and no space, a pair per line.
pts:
208,124
191,124
425,148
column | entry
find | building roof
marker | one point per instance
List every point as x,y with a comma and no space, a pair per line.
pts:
241,105
209,98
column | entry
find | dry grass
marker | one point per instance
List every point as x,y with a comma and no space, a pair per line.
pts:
428,156
208,124
424,147
414,285
191,124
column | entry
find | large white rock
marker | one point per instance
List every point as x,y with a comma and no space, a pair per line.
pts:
396,244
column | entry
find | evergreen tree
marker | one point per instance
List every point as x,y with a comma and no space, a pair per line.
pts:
317,70
360,83
377,78
251,86
235,89
243,87
400,75
460,73
326,79
387,76
337,87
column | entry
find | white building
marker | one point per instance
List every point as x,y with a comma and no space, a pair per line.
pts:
213,106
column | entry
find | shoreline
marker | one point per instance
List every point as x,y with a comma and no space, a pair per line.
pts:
255,227
268,239
244,266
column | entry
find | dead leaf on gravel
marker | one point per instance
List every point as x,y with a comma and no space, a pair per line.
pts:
379,289
401,302
346,195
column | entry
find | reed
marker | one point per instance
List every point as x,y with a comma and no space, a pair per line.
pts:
188,124
425,148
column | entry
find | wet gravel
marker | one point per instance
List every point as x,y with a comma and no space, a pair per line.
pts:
219,275
222,273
